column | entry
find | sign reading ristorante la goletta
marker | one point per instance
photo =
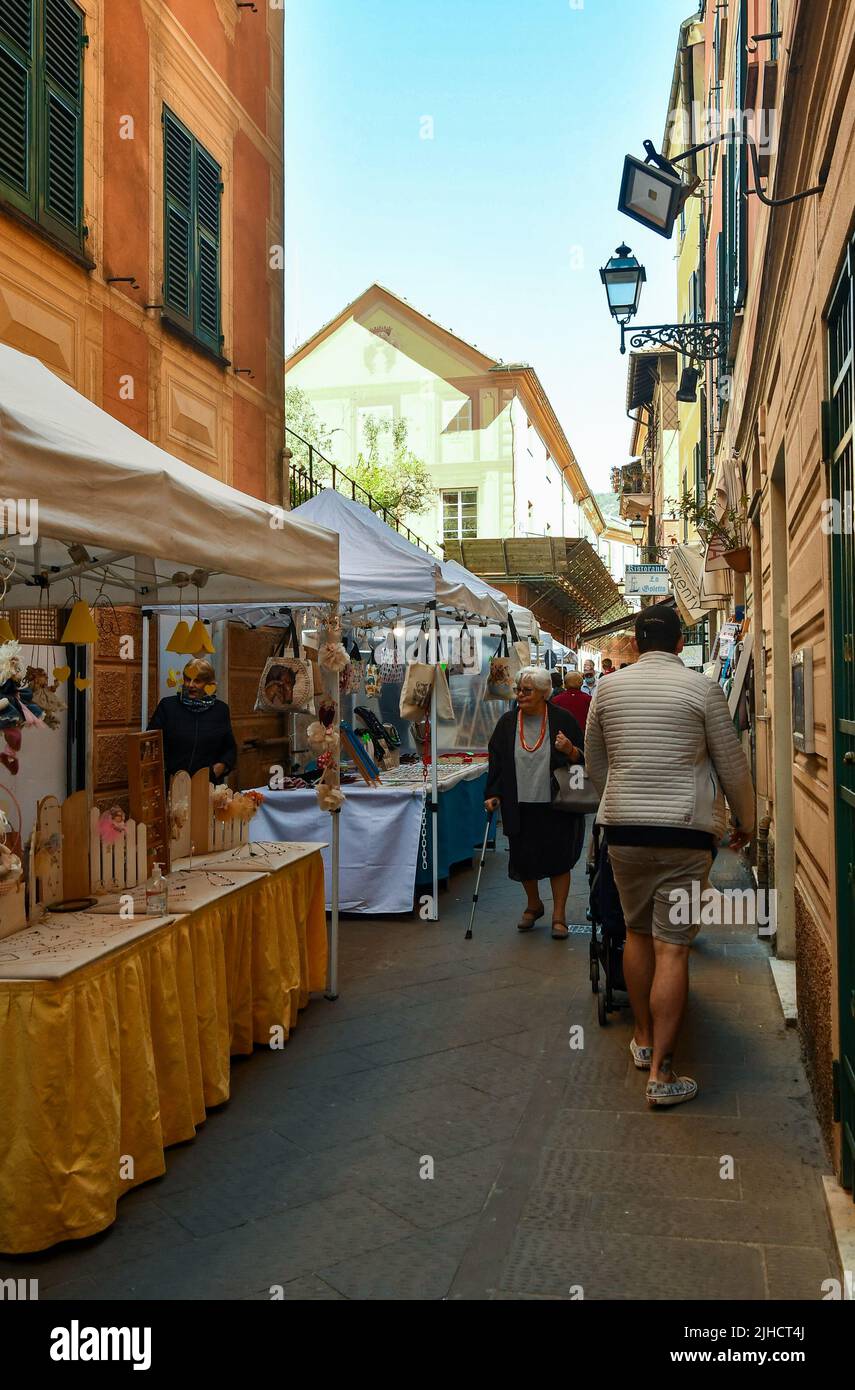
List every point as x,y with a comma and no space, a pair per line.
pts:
646,579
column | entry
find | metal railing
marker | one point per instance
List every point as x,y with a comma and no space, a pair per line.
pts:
308,479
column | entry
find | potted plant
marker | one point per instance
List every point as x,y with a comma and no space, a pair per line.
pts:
732,528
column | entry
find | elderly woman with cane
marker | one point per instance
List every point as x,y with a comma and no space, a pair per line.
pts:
526,747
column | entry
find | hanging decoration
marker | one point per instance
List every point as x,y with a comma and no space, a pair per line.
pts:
199,639
6,633
80,630
45,694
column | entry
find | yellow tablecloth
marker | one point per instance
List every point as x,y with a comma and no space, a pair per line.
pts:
121,1058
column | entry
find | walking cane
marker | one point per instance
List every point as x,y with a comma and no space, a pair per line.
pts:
481,863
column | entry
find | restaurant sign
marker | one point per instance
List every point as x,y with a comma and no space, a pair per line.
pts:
646,579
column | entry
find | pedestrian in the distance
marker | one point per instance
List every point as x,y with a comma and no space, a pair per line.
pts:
589,677
661,746
526,747
574,699
608,667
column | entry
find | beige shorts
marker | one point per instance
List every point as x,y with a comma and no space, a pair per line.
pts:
660,889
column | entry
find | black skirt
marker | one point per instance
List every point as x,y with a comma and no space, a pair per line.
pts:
548,845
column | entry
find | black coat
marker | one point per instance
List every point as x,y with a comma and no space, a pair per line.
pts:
195,740
502,772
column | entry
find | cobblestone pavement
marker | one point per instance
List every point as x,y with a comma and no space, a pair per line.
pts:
550,1175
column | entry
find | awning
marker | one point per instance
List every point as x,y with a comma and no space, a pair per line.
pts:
567,574
625,624
136,510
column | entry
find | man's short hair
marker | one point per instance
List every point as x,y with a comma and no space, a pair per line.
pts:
657,629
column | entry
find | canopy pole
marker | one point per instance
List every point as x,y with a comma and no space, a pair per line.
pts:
434,776
144,656
332,969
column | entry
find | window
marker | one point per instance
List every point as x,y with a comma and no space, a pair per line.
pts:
737,201
456,416
191,234
41,125
460,514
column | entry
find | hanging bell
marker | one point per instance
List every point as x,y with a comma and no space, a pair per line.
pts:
200,638
80,628
179,642
6,633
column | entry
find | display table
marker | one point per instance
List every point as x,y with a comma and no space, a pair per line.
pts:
118,1055
380,850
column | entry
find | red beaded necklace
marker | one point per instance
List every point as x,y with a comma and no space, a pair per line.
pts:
542,733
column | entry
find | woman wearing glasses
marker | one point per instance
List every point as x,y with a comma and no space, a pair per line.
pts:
527,744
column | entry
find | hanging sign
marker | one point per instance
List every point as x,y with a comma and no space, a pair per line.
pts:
646,579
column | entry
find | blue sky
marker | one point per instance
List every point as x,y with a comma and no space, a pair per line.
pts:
496,226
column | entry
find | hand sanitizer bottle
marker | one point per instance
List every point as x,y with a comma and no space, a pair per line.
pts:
155,894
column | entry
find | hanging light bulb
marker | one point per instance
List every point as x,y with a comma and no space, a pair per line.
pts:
80,628
199,639
179,642
6,633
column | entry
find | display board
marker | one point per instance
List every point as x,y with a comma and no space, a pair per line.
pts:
147,794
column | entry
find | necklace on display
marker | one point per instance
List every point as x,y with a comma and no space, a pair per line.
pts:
534,747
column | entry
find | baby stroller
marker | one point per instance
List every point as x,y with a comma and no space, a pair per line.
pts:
608,930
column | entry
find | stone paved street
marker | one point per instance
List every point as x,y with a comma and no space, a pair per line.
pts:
549,1171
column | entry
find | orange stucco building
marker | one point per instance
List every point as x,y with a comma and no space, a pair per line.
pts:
141,218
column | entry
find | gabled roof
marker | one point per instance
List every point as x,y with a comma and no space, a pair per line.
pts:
378,294
473,362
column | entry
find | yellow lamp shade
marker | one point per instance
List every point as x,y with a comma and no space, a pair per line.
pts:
200,638
6,633
80,627
180,640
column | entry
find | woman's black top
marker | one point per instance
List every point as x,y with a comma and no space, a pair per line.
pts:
502,774
192,740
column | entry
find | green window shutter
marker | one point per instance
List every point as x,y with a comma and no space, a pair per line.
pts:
191,281
178,220
17,132
208,249
61,191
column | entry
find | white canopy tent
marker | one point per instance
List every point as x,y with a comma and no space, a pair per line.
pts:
98,484
380,567
104,506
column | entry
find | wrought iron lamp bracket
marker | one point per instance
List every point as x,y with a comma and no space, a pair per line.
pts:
701,341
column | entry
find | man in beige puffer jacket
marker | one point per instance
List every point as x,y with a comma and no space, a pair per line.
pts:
661,748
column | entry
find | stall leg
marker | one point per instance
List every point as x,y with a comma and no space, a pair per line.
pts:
332,968
144,655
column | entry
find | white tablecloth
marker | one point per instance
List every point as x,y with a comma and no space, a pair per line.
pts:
379,841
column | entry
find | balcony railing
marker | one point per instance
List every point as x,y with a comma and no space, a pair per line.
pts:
313,473
632,478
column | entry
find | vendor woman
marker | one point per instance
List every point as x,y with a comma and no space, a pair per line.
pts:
197,727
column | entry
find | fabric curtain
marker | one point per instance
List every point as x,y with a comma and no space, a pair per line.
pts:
123,1057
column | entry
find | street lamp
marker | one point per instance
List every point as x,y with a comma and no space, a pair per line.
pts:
637,529
653,193
623,278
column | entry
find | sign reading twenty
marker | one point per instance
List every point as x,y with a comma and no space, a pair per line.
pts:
646,579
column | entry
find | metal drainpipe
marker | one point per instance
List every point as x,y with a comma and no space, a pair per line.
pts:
763,852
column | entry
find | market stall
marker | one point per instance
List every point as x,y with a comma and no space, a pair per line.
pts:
118,1013
386,855
392,588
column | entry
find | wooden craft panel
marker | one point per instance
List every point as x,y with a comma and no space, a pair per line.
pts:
225,834
120,865
75,846
147,793
180,790
46,856
13,910
200,811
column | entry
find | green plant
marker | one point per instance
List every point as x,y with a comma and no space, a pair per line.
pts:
733,528
395,476
302,418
